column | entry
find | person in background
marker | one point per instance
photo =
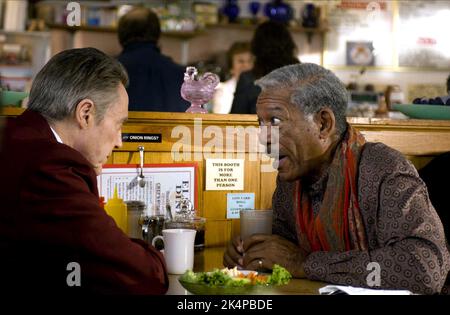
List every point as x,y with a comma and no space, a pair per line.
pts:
2,124
155,80
51,221
273,47
239,59
448,84
435,175
342,206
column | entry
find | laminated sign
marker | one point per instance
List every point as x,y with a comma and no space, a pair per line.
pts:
225,174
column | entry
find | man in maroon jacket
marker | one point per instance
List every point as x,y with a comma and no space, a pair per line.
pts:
54,236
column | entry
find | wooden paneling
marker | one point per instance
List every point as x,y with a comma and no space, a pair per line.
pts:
266,191
411,137
218,232
419,140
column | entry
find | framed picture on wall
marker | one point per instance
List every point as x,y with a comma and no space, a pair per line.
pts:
360,23
360,54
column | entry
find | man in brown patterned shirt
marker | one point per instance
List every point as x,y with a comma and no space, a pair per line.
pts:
345,211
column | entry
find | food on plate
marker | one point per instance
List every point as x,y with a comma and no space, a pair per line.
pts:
235,278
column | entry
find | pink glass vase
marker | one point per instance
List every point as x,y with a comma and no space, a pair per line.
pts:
198,91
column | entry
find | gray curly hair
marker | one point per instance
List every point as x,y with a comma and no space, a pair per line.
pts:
312,89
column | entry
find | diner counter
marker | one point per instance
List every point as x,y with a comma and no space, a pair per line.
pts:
211,257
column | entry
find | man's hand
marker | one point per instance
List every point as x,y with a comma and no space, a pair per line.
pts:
233,254
263,251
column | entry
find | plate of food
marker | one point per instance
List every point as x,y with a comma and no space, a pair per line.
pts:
233,281
424,111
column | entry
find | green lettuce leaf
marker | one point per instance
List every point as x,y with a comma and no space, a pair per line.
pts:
279,276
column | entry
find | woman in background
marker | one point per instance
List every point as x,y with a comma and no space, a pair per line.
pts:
273,47
239,59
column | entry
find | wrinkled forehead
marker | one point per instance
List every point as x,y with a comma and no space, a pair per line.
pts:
270,98
279,104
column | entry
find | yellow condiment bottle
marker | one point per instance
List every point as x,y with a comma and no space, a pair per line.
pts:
117,209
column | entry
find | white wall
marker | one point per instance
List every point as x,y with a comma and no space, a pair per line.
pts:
403,79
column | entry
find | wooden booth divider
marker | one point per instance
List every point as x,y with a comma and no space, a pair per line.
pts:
195,135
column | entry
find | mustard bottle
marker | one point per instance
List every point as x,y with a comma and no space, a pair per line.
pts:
117,209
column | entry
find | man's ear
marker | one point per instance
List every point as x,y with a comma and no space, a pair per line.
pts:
85,113
327,123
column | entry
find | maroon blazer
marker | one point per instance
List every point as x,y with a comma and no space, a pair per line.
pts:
50,216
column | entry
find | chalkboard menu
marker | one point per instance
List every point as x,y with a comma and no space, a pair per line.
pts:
423,39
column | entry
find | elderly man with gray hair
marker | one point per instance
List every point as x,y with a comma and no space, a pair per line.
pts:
344,209
54,235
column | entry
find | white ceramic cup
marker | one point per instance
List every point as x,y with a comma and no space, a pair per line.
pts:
178,249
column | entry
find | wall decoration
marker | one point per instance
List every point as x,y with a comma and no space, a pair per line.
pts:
360,54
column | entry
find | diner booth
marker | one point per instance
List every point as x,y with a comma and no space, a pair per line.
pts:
418,140
221,166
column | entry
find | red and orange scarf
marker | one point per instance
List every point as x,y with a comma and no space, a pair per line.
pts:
338,226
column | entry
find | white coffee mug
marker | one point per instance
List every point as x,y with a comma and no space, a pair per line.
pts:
178,249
